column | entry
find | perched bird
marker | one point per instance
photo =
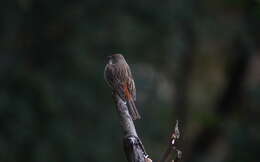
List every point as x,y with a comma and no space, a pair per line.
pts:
118,76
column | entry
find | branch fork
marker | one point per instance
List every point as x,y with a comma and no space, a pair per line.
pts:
133,147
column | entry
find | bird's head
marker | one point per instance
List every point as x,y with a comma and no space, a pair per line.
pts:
115,58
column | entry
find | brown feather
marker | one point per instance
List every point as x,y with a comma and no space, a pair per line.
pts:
119,77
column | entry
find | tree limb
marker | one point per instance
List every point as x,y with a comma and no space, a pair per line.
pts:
133,146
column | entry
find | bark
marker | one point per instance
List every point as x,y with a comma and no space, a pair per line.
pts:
133,146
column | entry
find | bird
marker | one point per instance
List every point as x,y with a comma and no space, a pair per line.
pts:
118,76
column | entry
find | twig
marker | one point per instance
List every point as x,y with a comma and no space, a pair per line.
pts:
172,146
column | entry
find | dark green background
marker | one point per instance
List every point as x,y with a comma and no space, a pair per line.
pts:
196,61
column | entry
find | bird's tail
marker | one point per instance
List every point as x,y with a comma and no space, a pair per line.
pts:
133,110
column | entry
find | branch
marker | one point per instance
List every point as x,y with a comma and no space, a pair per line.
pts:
172,146
133,146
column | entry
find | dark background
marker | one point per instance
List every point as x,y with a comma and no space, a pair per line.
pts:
196,61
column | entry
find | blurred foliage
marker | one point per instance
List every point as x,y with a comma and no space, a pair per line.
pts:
196,61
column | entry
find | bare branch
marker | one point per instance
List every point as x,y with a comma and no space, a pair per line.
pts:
172,146
133,146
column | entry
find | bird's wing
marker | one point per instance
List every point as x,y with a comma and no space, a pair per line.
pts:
131,84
